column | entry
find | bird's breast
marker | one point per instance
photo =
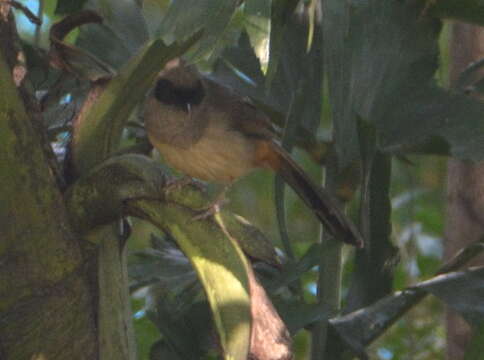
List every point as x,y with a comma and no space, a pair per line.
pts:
220,155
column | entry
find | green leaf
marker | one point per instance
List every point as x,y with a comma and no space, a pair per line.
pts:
126,20
300,72
258,25
375,52
281,13
431,113
184,17
297,315
64,7
179,328
469,74
145,330
292,272
287,142
475,348
166,266
463,291
154,11
105,44
373,275
221,267
471,11
71,58
122,33
239,68
161,350
361,327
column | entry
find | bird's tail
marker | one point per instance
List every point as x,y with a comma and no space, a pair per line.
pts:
315,197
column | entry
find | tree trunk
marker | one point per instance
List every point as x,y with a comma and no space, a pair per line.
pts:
465,188
46,304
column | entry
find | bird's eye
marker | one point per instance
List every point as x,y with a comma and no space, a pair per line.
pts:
181,97
164,90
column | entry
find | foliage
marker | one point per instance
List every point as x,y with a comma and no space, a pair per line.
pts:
353,90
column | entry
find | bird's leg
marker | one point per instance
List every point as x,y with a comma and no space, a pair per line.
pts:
214,206
175,184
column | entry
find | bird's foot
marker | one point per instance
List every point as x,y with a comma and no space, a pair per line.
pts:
213,208
175,184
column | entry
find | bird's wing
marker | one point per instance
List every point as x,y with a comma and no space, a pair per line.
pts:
242,113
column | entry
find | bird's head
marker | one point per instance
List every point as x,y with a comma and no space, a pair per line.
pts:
179,85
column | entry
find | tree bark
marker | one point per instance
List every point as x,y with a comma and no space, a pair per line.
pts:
465,187
46,308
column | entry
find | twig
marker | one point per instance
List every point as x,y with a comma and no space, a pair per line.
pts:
29,14
40,11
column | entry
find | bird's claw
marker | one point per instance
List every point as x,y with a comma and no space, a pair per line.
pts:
211,210
175,184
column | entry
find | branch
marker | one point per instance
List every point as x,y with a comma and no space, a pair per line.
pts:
361,327
138,190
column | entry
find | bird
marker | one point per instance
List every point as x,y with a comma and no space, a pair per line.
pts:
210,132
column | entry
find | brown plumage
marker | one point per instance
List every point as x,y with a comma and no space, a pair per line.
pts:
207,131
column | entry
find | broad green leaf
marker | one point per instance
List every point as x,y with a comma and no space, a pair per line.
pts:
460,290
184,17
299,71
287,142
298,315
291,272
126,20
167,267
463,291
239,68
469,75
64,7
251,240
471,11
432,113
105,44
475,348
281,13
221,267
146,332
258,26
373,270
154,11
185,330
161,350
376,51
478,86
361,327
122,33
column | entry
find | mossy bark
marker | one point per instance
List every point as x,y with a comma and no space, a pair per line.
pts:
45,303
